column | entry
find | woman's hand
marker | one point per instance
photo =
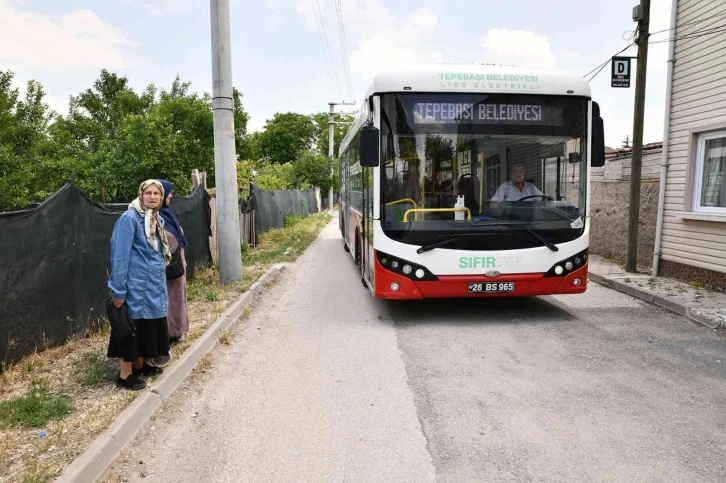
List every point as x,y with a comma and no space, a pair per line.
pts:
118,303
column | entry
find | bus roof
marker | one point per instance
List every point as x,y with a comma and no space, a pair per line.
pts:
474,78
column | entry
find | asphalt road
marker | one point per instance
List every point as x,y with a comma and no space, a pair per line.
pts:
322,383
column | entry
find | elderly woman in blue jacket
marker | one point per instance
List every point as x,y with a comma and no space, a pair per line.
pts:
139,255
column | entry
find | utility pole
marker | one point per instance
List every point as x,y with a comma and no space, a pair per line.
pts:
641,13
331,142
225,157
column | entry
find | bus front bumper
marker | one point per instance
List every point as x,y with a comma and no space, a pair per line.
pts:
457,286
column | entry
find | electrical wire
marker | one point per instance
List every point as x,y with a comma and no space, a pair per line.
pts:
693,35
602,66
634,34
692,22
320,24
344,47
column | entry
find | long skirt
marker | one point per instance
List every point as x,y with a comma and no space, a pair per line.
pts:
177,317
151,340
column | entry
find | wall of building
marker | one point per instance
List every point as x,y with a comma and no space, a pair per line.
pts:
698,102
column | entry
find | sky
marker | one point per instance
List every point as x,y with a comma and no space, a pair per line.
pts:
280,62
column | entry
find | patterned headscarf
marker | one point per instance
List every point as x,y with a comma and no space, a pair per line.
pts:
151,219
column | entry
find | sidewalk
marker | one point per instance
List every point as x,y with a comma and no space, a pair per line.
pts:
695,303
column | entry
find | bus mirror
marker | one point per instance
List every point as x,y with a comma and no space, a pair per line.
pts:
369,147
597,159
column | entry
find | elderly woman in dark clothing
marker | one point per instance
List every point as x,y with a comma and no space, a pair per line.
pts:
178,321
139,256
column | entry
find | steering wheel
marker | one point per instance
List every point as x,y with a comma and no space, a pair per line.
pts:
544,197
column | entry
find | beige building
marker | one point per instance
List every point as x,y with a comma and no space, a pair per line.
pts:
691,228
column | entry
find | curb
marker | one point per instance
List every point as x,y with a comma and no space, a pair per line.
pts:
91,465
694,314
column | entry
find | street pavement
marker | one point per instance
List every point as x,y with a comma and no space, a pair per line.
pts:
322,383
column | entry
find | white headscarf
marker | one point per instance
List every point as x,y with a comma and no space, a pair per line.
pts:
152,226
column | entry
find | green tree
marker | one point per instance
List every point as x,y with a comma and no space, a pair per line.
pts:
438,148
242,140
111,139
322,132
85,137
23,143
285,136
312,169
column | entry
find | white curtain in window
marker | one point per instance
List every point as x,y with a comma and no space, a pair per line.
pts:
713,193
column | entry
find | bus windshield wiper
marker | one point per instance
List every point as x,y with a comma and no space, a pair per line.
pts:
536,235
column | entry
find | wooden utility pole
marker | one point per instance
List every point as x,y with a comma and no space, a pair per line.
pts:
641,13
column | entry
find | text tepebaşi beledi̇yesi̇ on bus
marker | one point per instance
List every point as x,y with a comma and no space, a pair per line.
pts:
470,181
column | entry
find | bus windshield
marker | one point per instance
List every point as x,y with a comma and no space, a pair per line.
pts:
510,166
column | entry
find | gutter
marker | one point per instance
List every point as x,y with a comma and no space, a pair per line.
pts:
666,139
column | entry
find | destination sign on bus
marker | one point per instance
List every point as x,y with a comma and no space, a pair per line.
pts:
481,113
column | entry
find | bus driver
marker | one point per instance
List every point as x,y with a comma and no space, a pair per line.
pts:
515,188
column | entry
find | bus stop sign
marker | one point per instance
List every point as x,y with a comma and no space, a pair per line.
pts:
620,72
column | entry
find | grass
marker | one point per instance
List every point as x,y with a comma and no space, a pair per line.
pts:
225,337
92,369
35,408
70,387
286,244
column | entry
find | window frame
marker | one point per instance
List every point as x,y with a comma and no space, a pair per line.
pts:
700,139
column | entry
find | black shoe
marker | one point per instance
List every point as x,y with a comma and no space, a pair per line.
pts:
132,383
174,340
148,370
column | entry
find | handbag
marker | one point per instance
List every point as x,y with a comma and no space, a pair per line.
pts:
121,324
175,269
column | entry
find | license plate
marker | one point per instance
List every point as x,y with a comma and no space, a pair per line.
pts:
491,287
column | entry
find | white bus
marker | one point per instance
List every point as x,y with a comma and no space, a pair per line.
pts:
470,181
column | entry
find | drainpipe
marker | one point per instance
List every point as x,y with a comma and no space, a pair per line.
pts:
666,136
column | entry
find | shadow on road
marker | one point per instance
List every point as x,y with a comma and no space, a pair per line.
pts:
506,310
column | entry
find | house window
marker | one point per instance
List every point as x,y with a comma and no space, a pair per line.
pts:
709,194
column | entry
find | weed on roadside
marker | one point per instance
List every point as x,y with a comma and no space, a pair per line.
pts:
92,369
286,244
35,408
205,363
225,337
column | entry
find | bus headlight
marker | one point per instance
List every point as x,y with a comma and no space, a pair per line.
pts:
576,261
401,267
576,282
395,286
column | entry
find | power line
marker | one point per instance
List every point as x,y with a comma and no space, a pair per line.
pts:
694,35
692,22
602,66
344,46
320,24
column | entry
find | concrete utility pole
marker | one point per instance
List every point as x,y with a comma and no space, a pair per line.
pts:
641,13
225,157
331,142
